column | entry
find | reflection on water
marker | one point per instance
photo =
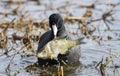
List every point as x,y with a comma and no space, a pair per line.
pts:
91,53
69,70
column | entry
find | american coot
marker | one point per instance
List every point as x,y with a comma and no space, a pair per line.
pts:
55,47
56,24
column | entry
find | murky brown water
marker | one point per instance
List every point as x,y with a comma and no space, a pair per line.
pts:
91,53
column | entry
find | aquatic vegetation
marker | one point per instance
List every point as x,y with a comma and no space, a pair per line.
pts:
22,23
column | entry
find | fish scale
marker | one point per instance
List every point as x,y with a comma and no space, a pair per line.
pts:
57,46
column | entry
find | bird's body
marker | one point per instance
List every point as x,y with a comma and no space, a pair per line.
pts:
57,46
58,30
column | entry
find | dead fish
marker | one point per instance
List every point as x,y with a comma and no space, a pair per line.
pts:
57,46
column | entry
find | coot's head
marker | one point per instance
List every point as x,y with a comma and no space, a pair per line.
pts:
56,24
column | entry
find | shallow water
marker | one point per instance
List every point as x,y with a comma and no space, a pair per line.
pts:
91,53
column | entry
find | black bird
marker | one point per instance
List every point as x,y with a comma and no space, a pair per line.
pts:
56,24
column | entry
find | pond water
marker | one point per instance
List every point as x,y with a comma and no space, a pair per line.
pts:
91,53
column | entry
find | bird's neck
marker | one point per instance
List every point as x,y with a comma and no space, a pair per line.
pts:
61,32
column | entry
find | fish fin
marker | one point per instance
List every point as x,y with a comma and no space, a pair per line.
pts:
57,38
80,40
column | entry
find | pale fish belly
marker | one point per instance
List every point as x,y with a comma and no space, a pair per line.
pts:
55,47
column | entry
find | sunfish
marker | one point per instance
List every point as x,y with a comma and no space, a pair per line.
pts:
57,46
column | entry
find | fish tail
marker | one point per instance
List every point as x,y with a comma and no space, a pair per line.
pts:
79,41
75,42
